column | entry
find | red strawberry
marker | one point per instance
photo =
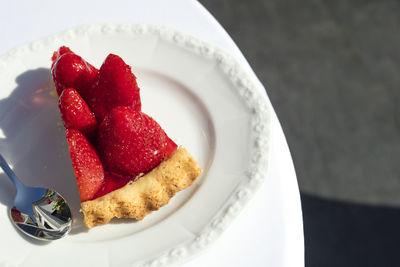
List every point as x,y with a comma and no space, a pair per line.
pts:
170,147
130,142
70,70
61,51
115,86
76,113
111,183
89,173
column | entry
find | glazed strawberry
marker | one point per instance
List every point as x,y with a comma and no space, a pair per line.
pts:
88,170
115,86
61,51
111,183
170,147
70,70
130,142
75,113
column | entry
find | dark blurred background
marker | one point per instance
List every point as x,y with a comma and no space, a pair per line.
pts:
332,72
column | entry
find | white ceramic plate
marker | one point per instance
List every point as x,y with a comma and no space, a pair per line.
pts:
198,94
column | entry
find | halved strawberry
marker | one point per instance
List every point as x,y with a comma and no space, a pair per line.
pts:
70,70
115,86
89,173
61,51
130,142
75,113
170,147
111,183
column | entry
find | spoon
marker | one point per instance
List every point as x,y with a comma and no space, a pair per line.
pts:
40,213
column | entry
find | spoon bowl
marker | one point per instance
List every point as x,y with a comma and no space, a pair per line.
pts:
40,213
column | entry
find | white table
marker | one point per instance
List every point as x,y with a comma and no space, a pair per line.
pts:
253,239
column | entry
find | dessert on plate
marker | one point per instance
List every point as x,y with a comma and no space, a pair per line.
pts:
125,164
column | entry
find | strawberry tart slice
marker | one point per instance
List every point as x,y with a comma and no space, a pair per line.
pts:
125,164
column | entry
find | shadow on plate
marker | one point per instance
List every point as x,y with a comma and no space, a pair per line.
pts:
7,190
32,139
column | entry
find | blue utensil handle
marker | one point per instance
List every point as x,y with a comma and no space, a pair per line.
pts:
6,168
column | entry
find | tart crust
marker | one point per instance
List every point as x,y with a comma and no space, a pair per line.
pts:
148,193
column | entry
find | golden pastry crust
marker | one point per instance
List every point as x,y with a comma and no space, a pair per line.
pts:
148,193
